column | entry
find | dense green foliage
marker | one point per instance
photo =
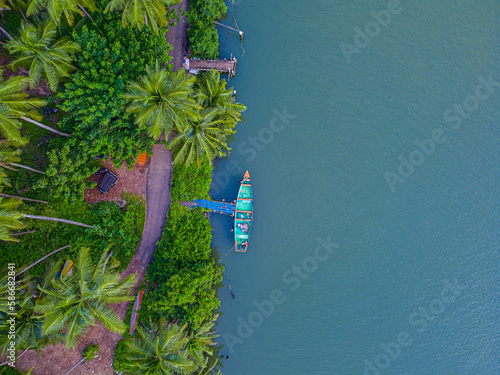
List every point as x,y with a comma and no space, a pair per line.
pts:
118,229
183,270
7,370
69,168
15,104
203,37
10,21
120,363
111,56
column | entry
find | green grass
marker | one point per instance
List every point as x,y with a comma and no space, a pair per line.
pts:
90,352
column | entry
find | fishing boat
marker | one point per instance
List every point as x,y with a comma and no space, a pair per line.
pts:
135,312
66,270
243,214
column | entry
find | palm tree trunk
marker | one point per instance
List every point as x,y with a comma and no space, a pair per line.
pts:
6,33
19,356
75,366
21,233
143,326
23,199
6,166
22,14
106,261
28,168
45,127
59,220
85,12
42,258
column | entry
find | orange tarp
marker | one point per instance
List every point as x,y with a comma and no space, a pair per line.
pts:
141,160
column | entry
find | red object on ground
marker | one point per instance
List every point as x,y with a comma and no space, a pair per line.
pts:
141,160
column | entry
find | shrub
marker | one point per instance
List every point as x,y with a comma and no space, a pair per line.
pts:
120,363
202,33
183,270
11,21
90,352
120,230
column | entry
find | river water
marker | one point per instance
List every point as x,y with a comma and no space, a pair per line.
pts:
374,161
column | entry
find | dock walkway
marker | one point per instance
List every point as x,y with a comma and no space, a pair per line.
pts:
219,207
222,66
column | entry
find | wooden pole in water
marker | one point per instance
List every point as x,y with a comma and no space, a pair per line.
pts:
231,28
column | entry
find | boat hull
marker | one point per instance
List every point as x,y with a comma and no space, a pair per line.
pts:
243,214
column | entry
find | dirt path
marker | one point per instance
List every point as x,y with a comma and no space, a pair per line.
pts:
56,359
177,37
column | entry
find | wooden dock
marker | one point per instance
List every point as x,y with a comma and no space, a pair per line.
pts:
222,66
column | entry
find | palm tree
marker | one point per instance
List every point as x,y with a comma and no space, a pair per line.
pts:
10,219
161,100
56,8
211,93
28,324
76,301
9,156
4,179
15,104
201,341
160,350
141,13
38,49
204,137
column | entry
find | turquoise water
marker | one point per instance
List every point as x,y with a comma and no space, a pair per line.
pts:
377,301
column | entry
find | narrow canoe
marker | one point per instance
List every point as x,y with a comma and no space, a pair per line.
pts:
243,214
67,268
135,312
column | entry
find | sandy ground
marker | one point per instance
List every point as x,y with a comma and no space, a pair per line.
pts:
131,181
